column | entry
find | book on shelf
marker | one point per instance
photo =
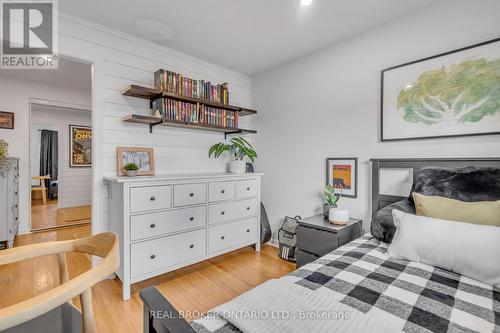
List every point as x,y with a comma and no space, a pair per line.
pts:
176,83
192,113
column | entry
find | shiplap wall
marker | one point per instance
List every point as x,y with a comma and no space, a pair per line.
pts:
118,61
74,184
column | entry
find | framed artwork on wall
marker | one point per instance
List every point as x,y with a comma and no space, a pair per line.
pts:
143,157
80,146
342,173
6,120
456,93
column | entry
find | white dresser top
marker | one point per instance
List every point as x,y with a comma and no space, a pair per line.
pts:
179,176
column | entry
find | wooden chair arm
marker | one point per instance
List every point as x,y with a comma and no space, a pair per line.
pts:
104,245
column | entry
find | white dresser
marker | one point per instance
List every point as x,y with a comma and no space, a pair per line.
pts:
166,222
9,201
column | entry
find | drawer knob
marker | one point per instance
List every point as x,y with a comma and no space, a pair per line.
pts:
152,198
248,230
152,256
222,191
191,246
191,194
248,208
191,218
248,188
153,225
222,237
222,213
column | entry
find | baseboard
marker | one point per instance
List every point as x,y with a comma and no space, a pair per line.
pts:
273,242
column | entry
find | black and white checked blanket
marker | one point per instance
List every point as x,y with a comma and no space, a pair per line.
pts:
407,296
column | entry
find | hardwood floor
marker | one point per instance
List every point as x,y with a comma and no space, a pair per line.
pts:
49,216
198,287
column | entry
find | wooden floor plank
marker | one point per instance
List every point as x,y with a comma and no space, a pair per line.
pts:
194,289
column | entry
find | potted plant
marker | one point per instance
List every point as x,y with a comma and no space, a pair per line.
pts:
331,199
131,169
3,149
238,148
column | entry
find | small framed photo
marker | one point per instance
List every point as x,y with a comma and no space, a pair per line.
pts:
143,157
342,173
80,146
6,120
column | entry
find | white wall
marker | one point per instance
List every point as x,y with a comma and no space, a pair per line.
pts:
15,97
327,105
74,184
120,60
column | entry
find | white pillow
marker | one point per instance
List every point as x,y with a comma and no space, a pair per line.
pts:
468,249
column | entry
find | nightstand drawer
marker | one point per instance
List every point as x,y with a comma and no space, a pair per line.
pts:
221,191
189,194
147,198
304,258
316,241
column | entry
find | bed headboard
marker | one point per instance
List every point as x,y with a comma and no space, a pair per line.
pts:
380,200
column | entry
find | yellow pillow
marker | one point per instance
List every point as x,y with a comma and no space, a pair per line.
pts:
481,212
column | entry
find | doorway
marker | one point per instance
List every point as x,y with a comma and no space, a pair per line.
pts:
60,163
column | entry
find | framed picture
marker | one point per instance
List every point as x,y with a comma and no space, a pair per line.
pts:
456,93
342,173
143,157
80,146
6,120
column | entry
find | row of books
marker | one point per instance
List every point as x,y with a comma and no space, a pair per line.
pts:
176,83
195,114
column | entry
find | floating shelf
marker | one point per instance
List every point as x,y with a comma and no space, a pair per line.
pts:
152,94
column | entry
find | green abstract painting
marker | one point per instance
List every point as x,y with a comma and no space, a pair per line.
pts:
464,92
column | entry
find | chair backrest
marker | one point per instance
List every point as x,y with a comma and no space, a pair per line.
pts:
104,245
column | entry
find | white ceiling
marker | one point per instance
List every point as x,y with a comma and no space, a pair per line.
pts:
249,36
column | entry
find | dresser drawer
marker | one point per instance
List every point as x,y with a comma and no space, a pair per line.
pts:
235,210
225,236
157,224
189,194
150,198
221,191
153,255
247,188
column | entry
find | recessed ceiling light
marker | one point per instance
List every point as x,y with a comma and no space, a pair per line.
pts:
305,2
153,30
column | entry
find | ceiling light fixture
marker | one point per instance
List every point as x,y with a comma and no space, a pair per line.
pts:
153,30
305,2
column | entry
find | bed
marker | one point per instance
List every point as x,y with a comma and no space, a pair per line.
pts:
356,288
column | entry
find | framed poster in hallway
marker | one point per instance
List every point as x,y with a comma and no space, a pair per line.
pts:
80,146
342,173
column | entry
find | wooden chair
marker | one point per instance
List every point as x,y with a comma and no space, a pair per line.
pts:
33,311
41,187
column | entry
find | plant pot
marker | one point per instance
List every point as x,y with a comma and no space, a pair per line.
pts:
131,173
326,209
237,166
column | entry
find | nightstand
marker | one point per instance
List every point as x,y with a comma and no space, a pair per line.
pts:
316,236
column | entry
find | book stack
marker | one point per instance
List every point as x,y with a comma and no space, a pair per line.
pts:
195,113
176,83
